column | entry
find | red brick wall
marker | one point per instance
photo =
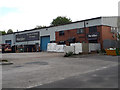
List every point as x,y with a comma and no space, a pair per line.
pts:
105,33
68,34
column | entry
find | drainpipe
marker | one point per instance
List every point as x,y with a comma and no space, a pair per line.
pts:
85,30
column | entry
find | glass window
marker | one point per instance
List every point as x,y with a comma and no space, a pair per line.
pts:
80,31
61,33
92,29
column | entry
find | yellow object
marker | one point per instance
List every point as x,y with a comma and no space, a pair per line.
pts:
111,52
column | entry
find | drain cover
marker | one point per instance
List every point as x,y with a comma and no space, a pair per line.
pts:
39,63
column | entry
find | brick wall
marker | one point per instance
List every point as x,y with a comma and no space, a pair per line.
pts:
105,33
69,34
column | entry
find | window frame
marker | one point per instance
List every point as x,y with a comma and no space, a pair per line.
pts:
93,29
80,31
61,33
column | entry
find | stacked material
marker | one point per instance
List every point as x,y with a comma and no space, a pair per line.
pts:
53,47
60,48
70,49
77,47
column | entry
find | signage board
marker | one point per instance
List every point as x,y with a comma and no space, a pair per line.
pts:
27,37
93,35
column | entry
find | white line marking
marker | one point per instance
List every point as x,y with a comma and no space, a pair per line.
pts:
101,68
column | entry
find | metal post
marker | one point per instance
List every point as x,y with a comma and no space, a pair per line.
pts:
32,49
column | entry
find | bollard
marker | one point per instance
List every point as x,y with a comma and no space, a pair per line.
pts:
32,49
27,49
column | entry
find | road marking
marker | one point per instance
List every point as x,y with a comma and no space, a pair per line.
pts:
104,67
101,68
34,85
97,69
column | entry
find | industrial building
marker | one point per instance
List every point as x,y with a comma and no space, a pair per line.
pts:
95,30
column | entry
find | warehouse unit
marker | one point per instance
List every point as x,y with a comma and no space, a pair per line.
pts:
95,30
8,39
29,41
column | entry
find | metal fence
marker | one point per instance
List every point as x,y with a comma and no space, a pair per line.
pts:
110,44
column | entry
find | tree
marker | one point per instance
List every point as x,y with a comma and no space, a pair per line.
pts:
2,32
10,31
39,26
60,21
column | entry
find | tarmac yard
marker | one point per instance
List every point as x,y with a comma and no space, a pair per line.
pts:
51,70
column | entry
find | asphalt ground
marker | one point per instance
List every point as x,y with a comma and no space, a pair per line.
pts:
105,78
52,69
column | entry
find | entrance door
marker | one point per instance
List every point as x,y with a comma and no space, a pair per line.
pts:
44,42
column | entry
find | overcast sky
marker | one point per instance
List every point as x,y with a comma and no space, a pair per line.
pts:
26,14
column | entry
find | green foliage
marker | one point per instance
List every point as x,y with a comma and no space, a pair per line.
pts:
39,26
2,32
10,31
119,36
68,54
4,60
60,21
101,51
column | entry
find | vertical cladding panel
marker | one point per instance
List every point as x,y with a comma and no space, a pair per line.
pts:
110,21
95,22
8,37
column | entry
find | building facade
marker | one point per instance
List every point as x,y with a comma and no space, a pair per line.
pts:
95,30
93,34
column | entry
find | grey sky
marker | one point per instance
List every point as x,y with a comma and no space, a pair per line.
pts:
26,14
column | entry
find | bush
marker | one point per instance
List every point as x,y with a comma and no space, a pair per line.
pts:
68,54
101,51
4,60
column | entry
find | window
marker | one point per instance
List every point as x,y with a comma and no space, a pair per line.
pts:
80,31
8,42
92,29
61,33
